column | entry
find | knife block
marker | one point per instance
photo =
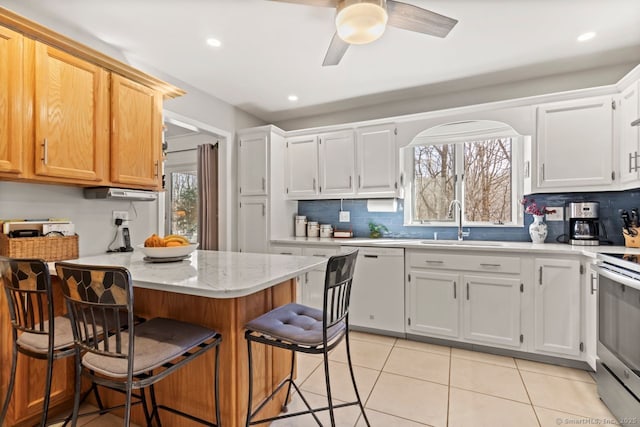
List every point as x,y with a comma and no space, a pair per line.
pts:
631,240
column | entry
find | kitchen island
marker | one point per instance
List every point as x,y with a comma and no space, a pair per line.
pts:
222,291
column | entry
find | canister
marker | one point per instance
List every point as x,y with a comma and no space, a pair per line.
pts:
313,230
301,225
326,230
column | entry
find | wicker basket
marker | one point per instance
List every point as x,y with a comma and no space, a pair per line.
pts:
50,248
632,240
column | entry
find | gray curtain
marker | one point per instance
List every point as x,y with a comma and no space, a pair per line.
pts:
208,196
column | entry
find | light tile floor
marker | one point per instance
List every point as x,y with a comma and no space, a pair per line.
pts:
407,384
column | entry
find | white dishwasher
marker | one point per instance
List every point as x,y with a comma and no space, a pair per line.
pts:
377,292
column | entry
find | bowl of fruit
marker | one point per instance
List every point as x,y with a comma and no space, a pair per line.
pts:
172,246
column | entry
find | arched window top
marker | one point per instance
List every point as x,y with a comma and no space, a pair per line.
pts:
464,131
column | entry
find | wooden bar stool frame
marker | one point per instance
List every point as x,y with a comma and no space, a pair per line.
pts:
335,314
90,315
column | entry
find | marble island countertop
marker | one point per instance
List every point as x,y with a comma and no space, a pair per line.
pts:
209,273
455,245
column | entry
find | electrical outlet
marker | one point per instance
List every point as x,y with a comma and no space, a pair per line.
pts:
558,216
345,216
123,215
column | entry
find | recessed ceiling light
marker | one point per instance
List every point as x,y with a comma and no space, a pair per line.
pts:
586,36
214,42
293,98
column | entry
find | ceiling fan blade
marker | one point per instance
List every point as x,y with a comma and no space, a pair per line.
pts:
322,3
336,51
414,18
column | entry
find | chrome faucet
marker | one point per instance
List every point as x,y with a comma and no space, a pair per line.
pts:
450,215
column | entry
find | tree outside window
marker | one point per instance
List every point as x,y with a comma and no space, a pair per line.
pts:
478,173
184,204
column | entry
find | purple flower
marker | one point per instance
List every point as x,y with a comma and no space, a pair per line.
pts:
531,207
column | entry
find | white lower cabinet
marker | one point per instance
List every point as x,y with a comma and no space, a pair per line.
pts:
432,303
377,290
473,298
557,306
313,281
491,310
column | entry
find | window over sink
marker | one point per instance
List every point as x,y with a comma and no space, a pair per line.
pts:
476,163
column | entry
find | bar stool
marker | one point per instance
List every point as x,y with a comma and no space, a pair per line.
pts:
131,359
299,328
29,295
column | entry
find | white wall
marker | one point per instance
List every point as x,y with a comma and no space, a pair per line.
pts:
93,218
454,94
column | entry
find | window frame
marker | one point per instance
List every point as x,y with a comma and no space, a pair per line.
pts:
517,184
169,169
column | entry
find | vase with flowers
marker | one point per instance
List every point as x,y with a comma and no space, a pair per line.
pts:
537,229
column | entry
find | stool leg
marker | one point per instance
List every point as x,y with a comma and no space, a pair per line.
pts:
216,385
250,398
293,365
12,381
353,380
143,398
127,409
155,413
77,388
325,355
47,388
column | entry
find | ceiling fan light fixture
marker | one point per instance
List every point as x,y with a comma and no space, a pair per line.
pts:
361,22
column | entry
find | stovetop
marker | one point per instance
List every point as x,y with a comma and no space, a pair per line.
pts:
627,261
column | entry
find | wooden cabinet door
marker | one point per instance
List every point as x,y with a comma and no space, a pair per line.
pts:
629,135
377,161
301,168
12,114
337,164
557,306
252,165
433,303
136,133
491,310
71,116
575,143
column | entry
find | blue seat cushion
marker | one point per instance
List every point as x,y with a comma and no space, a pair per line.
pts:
296,324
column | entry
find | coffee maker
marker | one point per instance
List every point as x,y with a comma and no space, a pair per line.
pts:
582,219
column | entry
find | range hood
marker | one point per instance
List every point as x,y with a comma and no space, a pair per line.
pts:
120,194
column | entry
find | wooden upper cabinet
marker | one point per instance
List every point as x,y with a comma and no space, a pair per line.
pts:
12,99
71,115
136,133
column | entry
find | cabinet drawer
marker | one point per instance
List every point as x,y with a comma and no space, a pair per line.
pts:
285,250
488,263
324,252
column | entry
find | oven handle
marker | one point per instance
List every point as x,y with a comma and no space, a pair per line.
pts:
619,278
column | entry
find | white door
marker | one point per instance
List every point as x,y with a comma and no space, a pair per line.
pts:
377,157
252,165
491,310
302,167
337,163
575,143
377,291
557,306
433,303
252,227
629,135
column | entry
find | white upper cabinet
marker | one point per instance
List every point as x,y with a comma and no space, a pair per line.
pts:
629,110
575,144
301,169
252,174
337,163
377,161
253,228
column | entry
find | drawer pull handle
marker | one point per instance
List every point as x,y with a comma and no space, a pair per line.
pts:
45,152
467,291
320,255
371,256
484,264
594,279
434,262
540,275
286,253
455,291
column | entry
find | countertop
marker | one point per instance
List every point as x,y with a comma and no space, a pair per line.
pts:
210,274
465,245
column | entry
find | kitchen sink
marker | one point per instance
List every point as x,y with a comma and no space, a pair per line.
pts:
462,243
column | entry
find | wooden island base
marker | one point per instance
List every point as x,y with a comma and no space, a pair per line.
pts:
191,389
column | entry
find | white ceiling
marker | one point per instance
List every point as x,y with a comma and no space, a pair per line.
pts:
272,49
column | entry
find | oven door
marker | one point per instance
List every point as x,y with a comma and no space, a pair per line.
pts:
619,325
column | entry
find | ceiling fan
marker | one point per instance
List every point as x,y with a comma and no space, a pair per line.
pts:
363,21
